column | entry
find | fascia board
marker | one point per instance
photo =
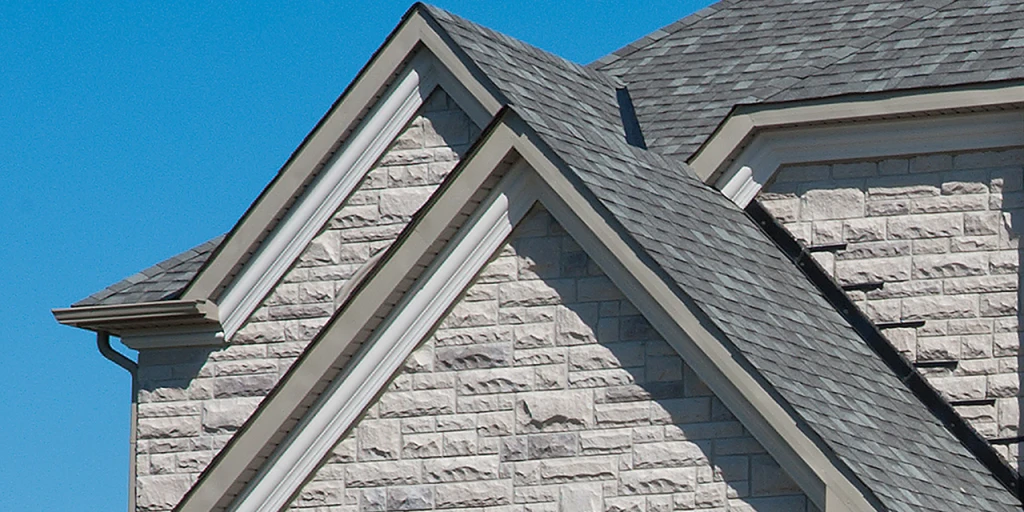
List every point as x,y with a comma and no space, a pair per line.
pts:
769,419
771,149
238,462
414,31
332,186
116,319
711,159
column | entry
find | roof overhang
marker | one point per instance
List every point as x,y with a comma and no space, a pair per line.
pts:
170,319
903,122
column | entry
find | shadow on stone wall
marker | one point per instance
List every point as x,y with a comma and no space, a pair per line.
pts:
941,232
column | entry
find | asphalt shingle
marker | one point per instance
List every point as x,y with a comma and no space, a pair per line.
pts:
686,79
162,281
777,319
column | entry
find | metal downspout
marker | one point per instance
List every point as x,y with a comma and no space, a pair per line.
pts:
103,343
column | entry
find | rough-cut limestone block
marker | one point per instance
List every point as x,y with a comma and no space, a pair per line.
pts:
178,426
418,497
577,469
658,481
950,265
580,498
417,403
472,494
554,411
161,492
378,474
873,270
465,357
670,454
926,226
925,308
460,469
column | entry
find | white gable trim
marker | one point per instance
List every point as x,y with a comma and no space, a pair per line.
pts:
244,463
351,392
384,353
770,150
341,175
417,32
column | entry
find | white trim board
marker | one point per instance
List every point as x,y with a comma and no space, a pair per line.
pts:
340,177
351,392
384,353
770,150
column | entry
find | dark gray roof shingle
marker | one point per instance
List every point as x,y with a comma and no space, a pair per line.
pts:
767,308
162,281
964,42
686,77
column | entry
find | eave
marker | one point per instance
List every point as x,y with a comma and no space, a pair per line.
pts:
126,319
713,160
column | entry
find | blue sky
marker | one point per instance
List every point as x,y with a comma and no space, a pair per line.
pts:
131,131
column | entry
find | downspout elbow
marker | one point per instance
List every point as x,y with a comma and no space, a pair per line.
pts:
103,343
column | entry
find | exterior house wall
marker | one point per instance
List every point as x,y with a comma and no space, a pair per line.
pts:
942,232
543,389
192,400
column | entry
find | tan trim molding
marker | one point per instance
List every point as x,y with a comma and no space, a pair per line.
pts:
771,149
123,318
739,128
415,31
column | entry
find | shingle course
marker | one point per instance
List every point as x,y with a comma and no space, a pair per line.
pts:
159,282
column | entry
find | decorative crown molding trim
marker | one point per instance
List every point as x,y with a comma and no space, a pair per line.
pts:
121,318
769,150
383,354
342,174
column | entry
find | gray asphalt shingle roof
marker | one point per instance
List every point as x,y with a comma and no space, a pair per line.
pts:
686,77
160,282
777,319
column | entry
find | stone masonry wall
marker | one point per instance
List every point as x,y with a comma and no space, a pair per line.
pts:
545,390
942,232
192,400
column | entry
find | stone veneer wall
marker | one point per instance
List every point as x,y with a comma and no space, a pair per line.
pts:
545,390
942,232
192,400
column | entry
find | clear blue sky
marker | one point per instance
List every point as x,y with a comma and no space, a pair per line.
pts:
131,131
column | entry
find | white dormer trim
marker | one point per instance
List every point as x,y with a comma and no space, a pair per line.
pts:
341,175
383,354
770,150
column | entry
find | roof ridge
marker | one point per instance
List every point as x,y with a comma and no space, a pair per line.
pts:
508,40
